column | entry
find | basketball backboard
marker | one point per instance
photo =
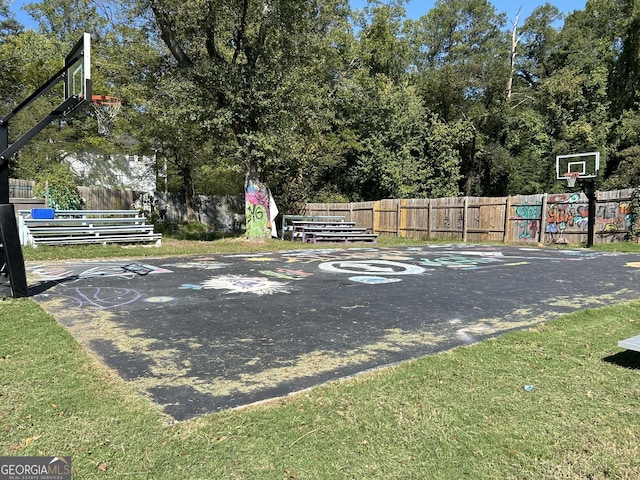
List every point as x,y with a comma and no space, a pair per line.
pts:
580,165
77,76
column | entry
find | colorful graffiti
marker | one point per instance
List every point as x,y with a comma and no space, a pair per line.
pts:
563,211
614,221
528,221
373,267
459,261
240,284
104,298
78,271
286,273
198,265
257,210
373,280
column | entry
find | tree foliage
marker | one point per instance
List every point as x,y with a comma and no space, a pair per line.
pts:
324,103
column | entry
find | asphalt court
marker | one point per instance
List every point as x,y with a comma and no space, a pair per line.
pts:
200,334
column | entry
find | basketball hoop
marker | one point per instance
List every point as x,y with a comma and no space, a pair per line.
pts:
571,178
106,109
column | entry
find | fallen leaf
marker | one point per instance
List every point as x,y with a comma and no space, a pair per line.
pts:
29,440
103,467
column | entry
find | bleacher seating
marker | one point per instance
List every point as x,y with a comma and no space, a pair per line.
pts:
45,226
334,229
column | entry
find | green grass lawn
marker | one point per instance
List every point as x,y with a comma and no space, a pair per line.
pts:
460,414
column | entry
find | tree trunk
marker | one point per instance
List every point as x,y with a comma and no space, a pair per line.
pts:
257,209
513,54
189,193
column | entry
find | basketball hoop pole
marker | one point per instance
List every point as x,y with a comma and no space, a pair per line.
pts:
77,78
582,168
588,186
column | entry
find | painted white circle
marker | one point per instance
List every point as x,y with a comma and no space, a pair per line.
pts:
371,267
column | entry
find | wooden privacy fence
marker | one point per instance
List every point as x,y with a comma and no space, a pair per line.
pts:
226,213
545,218
93,197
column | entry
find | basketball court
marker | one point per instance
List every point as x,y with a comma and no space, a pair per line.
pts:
207,333
202,334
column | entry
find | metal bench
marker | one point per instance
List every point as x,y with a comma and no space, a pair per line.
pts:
632,343
303,231
287,221
341,237
70,227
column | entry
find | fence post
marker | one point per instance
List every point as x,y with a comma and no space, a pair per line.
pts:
404,215
429,213
507,210
376,216
543,218
465,212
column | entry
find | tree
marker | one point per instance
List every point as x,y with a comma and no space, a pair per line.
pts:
246,60
539,36
461,67
64,19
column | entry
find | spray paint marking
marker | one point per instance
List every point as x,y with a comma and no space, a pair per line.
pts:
239,284
103,298
372,267
374,280
286,274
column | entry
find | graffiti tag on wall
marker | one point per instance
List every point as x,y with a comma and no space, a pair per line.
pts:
528,221
257,210
563,212
614,221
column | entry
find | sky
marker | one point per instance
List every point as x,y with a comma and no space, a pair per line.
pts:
415,8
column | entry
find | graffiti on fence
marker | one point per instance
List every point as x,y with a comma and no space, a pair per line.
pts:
614,221
563,212
528,221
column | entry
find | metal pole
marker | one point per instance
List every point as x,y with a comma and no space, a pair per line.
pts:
4,166
591,195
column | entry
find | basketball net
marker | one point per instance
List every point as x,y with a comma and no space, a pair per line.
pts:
571,178
106,109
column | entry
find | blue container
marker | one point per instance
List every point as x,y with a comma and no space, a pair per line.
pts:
43,213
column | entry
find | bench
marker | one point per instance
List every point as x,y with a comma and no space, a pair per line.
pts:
341,237
287,221
73,227
331,231
303,231
632,343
